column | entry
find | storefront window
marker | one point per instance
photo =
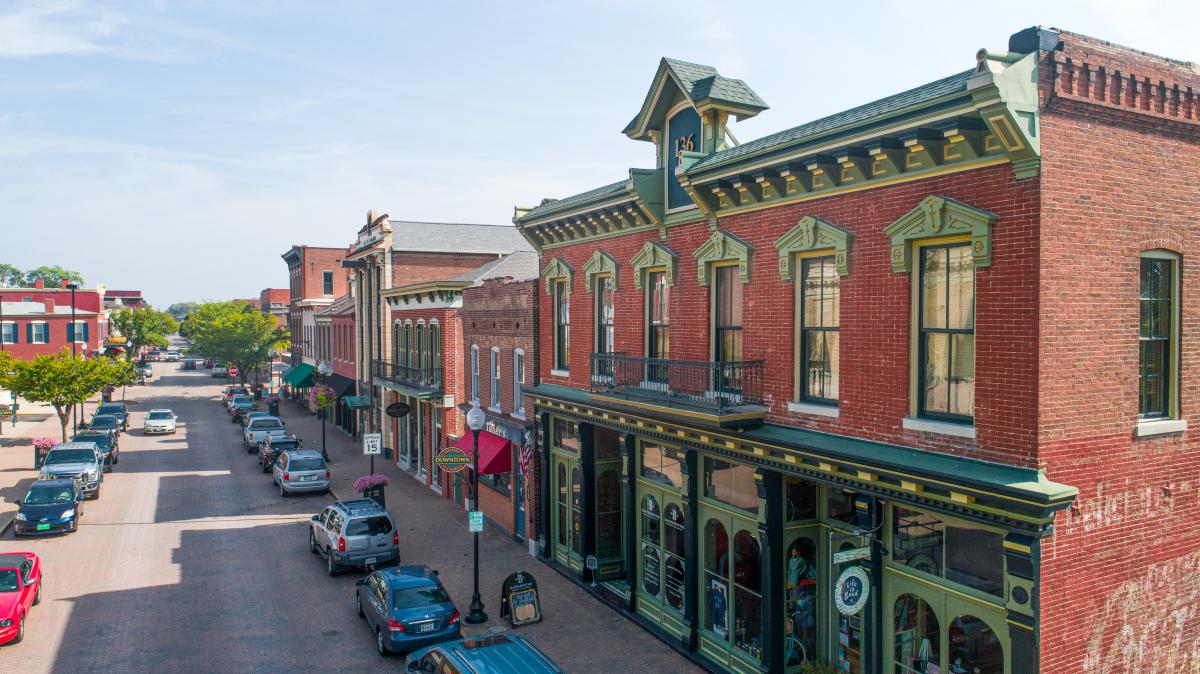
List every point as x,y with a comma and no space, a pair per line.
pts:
608,515
732,484
747,606
917,637
917,541
565,435
840,506
576,511
651,528
716,571
662,464
801,602
562,504
674,522
608,444
801,499
955,551
974,647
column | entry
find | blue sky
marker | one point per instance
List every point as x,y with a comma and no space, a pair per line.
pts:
179,147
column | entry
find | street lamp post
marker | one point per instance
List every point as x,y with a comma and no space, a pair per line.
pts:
475,421
324,370
73,287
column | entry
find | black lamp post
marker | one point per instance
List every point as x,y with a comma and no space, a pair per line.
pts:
73,287
324,370
475,421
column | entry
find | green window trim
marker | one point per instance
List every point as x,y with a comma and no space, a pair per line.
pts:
557,269
653,255
1151,331
599,263
936,217
721,247
813,233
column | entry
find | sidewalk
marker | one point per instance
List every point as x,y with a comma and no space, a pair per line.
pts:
577,631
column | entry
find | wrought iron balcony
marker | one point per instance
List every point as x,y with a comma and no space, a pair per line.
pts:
420,379
729,393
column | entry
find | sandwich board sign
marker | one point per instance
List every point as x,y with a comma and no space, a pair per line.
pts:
519,599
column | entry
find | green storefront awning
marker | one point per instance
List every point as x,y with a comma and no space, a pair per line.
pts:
357,402
300,376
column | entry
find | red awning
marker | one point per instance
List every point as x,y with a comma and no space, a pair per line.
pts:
495,452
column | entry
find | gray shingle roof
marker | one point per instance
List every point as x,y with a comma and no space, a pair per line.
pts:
701,81
448,237
519,266
946,86
567,203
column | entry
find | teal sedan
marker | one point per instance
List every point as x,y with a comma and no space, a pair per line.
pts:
492,654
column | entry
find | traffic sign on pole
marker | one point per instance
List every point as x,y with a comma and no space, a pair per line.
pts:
372,443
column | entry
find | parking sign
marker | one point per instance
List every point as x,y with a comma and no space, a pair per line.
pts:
476,521
372,443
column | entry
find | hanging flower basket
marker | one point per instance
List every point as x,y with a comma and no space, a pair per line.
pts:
322,396
272,399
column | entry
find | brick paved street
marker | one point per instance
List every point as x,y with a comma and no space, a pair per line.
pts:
190,561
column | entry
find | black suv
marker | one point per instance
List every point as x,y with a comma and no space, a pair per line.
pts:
110,452
272,447
118,410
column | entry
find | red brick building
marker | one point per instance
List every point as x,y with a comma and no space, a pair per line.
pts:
315,278
499,317
892,361
275,301
37,321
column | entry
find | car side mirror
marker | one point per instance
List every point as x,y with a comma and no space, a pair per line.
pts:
79,496
315,518
18,501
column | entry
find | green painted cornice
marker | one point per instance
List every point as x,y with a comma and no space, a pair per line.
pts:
429,290
720,247
557,269
939,216
1005,93
599,263
653,255
813,233
633,204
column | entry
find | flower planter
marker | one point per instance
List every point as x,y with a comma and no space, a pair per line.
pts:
376,495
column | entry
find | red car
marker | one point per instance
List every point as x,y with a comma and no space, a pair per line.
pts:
20,588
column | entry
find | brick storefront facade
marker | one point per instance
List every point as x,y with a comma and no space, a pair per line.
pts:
38,321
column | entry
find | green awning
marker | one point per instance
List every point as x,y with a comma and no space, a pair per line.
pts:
300,376
357,402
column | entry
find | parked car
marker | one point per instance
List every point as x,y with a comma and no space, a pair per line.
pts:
118,410
20,589
76,460
159,421
259,429
240,409
220,372
237,397
301,470
356,533
110,452
105,422
506,652
233,391
259,414
146,370
406,608
49,507
171,357
188,364
153,356
270,449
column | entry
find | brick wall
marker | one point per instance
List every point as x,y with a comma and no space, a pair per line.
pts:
1121,158
503,313
409,268
344,354
875,312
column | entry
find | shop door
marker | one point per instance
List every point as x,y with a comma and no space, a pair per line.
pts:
413,441
519,495
567,511
661,558
847,632
802,578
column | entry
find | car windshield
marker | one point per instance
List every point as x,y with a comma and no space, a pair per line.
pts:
265,425
110,409
8,580
284,446
48,495
243,399
102,439
158,416
307,464
104,421
70,456
374,525
417,597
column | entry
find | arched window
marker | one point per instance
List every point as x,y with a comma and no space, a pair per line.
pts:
974,647
716,578
674,524
651,559
917,637
801,601
747,595
576,510
562,499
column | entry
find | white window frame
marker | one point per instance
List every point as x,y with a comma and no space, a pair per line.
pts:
45,335
518,410
329,273
79,329
475,373
494,377
14,332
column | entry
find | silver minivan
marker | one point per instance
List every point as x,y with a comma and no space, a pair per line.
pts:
301,470
354,533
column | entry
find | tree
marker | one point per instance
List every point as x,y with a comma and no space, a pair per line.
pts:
63,380
180,310
143,327
235,333
52,276
10,276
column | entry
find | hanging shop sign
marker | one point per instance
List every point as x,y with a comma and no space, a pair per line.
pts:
851,555
452,460
397,409
519,599
851,590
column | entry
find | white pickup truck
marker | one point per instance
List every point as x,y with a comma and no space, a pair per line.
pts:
258,429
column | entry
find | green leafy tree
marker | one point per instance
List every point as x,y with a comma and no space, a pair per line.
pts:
10,276
63,380
52,276
143,327
235,333
180,310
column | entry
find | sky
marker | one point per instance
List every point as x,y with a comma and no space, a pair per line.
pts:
180,147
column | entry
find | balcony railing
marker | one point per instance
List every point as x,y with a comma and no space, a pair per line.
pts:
422,378
717,388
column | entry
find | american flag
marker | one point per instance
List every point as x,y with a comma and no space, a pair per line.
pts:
526,458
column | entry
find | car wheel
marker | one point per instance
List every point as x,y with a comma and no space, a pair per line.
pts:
282,492
358,605
331,566
266,468
20,630
380,644
37,597
117,458
312,542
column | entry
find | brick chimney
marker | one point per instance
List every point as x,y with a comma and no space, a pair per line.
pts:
48,302
62,283
39,283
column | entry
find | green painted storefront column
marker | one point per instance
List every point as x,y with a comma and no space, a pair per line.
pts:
770,542
870,519
629,471
1022,555
691,545
546,544
587,514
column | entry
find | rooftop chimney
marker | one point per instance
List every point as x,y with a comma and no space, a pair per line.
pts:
62,283
39,283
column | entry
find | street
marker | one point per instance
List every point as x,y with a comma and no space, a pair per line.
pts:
190,561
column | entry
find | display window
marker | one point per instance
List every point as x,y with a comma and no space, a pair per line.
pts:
662,526
731,582
956,551
567,511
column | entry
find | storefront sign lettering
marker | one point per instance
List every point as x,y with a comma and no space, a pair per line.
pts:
452,460
519,599
851,590
851,555
398,409
651,570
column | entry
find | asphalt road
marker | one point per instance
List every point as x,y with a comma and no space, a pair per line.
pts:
189,561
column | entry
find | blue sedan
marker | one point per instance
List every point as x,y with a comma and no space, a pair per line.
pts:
406,608
490,654
50,507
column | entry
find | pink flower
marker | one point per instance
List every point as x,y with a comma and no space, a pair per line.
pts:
370,482
44,442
